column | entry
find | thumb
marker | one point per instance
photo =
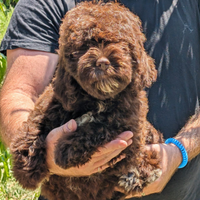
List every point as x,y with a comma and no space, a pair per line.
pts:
67,128
70,126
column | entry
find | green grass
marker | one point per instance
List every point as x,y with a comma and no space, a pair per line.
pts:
2,68
5,15
9,188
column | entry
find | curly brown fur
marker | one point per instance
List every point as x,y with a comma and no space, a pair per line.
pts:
103,70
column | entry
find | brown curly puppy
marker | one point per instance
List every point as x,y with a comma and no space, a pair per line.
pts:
100,80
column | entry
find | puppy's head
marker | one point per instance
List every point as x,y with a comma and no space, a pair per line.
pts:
101,47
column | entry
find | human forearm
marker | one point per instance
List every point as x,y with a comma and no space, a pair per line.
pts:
28,73
189,136
171,156
15,108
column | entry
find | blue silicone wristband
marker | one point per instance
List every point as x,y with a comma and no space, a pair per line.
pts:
182,149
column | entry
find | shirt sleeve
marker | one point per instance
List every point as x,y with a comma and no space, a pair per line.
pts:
35,25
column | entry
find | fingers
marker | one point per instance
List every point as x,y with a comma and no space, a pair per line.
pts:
110,151
119,143
106,165
125,135
51,140
109,156
100,159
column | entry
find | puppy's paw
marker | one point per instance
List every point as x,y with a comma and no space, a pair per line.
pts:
29,162
136,180
154,175
131,181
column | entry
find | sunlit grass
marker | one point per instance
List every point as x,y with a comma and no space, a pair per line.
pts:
11,190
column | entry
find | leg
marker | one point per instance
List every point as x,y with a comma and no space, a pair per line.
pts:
76,149
29,155
140,176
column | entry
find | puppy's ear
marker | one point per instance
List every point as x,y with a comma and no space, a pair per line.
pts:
64,85
149,72
144,67
60,81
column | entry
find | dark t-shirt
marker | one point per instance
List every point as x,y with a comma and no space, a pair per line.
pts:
172,28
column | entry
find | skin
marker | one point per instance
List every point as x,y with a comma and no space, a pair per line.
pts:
21,89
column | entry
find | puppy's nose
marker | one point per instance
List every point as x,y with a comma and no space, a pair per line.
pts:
103,63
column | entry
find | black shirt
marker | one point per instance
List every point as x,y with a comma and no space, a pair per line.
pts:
172,28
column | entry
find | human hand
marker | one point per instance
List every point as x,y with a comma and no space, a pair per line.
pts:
170,159
99,160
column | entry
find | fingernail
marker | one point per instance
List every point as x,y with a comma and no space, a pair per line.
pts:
70,125
129,142
122,157
128,135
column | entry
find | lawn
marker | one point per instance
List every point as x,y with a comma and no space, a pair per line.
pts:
9,188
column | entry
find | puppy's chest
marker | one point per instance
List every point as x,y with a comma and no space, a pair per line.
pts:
103,113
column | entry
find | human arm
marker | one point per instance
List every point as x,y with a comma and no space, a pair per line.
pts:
171,157
27,75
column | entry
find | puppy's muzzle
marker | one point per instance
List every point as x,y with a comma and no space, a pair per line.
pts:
103,63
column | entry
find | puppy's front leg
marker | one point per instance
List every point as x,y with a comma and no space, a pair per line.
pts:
29,156
76,149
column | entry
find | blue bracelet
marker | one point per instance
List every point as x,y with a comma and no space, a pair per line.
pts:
182,149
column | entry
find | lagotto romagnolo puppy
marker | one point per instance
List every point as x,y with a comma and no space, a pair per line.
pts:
101,75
